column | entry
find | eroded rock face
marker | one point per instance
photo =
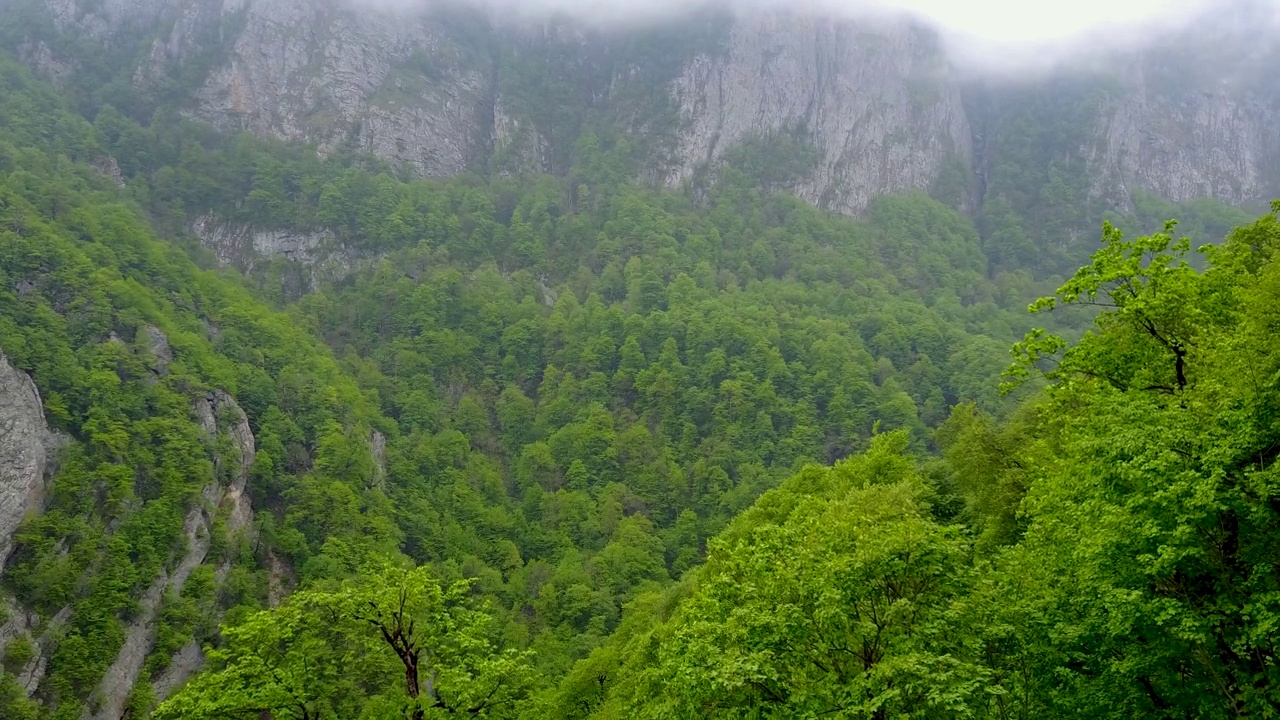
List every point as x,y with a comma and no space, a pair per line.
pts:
218,415
877,104
242,246
378,449
108,701
1213,137
26,445
185,663
876,101
158,346
41,633
317,70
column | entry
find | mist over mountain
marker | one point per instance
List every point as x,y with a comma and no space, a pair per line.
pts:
992,37
883,97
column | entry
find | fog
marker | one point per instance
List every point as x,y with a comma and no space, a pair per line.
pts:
989,35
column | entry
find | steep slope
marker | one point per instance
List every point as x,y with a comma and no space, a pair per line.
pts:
1111,553
869,107
877,107
447,91
1199,118
1194,119
26,447
556,387
145,535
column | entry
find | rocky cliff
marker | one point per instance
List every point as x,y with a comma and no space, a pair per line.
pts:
447,90
26,449
878,105
1201,121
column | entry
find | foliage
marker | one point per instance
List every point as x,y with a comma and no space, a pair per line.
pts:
1118,560
840,604
519,412
85,291
388,643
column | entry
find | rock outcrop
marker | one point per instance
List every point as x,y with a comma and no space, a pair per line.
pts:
320,71
243,246
378,451
219,416
1184,132
877,104
425,91
26,446
108,701
310,256
445,90
42,634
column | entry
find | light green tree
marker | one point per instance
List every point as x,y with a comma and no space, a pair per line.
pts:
391,643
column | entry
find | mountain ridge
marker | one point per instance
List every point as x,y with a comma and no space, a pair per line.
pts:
878,104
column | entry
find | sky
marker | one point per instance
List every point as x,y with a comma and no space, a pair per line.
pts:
1027,27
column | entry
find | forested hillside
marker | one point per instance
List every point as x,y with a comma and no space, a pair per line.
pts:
1109,551
556,389
327,441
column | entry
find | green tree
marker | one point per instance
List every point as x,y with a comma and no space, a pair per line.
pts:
391,643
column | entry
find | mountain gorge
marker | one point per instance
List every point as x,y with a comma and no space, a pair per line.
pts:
409,363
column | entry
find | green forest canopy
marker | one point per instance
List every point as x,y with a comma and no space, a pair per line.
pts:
585,387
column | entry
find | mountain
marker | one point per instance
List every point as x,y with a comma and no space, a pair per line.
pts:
860,108
551,390
506,357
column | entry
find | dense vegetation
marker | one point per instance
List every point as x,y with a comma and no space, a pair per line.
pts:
499,424
578,381
1113,554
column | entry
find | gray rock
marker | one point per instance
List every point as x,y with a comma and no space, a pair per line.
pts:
26,445
878,101
315,256
23,623
110,167
280,579
233,496
108,700
878,104
184,663
1217,140
242,246
158,346
217,413
315,69
378,448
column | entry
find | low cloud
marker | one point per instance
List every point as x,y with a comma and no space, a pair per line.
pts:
985,35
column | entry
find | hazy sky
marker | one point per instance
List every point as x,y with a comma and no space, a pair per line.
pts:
1003,34
1037,32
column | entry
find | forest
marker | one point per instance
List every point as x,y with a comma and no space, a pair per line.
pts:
575,447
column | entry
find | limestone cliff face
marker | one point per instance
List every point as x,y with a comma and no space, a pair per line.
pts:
220,417
317,71
26,446
446,90
877,104
427,91
27,449
1183,132
302,258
